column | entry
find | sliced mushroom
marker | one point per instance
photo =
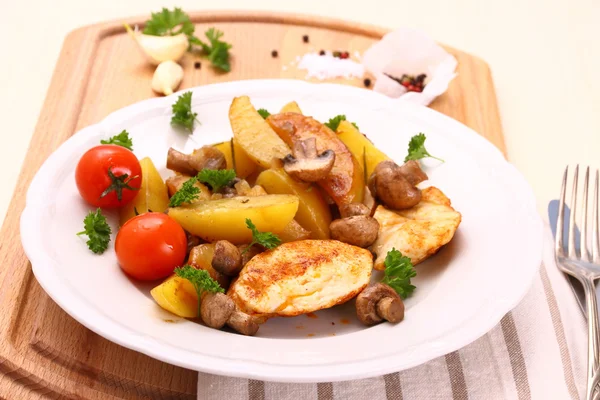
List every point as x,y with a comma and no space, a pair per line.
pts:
215,309
227,258
207,157
413,173
388,184
354,209
379,302
305,164
358,230
243,323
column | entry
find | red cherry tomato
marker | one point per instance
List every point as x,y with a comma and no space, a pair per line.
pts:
150,246
108,176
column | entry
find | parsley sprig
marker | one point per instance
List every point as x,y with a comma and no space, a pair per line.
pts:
122,139
216,50
334,122
97,230
186,194
263,113
267,240
398,271
216,178
201,281
417,150
182,112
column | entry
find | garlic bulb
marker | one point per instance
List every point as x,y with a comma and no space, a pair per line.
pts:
167,77
160,48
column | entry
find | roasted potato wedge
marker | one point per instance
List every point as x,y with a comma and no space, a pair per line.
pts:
292,232
237,159
362,148
225,219
292,106
177,295
345,183
301,277
313,212
254,134
175,182
151,196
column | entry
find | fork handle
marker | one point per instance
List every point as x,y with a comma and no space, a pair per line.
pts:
593,334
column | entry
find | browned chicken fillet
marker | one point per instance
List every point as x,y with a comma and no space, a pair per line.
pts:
417,232
301,277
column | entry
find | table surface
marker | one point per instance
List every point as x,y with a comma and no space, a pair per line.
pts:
544,56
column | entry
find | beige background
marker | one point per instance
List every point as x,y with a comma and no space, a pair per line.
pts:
544,56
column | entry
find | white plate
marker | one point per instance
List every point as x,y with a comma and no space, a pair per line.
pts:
462,292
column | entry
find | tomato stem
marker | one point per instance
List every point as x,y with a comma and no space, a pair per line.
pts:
118,184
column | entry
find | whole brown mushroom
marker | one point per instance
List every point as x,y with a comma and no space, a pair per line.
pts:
207,157
217,309
354,209
358,230
388,184
227,258
379,302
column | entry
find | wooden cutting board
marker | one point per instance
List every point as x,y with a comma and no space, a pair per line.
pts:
46,354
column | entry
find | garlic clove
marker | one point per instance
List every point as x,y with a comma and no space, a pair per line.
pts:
160,48
167,77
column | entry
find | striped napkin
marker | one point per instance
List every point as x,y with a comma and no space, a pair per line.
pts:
537,351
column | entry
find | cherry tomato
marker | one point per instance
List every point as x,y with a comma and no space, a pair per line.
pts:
150,246
108,176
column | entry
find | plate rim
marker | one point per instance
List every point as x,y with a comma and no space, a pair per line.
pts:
128,338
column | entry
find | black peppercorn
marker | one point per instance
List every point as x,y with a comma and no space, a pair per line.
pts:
367,82
305,38
322,53
197,65
274,54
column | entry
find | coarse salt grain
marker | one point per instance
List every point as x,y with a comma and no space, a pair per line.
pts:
327,67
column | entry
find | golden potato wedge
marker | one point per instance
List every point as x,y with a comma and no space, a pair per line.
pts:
201,258
361,148
225,219
253,134
151,196
313,212
292,106
237,159
177,295
345,183
292,232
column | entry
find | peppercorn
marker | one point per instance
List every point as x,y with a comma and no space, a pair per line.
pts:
421,78
367,82
337,54
344,55
305,38
322,53
197,65
274,54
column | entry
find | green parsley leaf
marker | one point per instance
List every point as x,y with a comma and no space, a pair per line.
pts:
97,231
182,112
216,50
186,194
201,281
216,178
267,240
263,113
122,139
398,271
334,122
416,149
169,23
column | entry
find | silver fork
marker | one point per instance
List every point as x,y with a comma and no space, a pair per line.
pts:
582,265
